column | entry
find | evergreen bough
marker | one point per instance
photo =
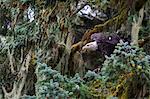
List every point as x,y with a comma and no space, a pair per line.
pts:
51,84
126,69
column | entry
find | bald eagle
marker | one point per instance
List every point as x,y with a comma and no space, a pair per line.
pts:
102,42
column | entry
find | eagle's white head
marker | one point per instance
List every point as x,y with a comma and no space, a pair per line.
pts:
92,46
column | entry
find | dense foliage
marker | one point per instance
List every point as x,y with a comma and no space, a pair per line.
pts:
127,70
41,54
124,71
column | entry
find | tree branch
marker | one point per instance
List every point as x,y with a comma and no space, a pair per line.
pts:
18,86
10,56
136,25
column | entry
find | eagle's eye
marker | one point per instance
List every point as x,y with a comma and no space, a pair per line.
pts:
109,38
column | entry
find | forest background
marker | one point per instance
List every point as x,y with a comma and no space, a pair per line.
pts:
42,56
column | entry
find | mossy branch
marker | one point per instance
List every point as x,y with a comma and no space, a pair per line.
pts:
118,20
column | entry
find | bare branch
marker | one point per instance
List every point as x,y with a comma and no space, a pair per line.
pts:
10,56
18,86
136,27
4,90
10,94
21,58
24,71
141,15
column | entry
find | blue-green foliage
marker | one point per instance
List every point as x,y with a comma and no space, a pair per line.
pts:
124,60
50,83
28,97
